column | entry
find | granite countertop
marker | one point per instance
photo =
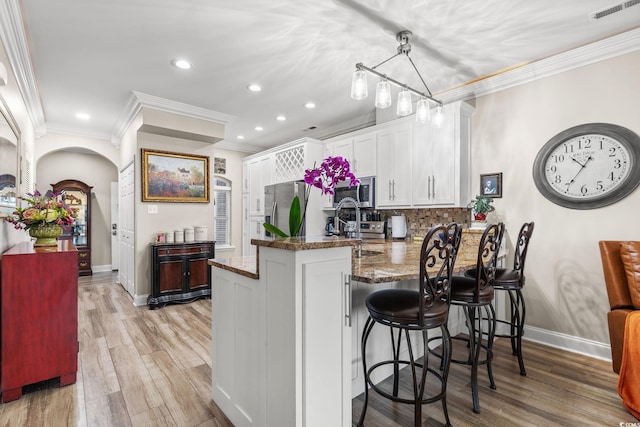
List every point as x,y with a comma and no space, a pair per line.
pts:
389,261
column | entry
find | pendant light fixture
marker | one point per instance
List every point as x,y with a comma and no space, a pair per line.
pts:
359,85
404,107
383,94
423,112
383,89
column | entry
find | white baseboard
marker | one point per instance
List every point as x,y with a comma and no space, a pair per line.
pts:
101,268
570,343
140,300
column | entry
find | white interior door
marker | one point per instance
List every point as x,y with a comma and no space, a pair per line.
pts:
127,227
115,233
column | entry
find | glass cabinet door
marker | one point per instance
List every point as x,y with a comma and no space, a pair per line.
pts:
78,231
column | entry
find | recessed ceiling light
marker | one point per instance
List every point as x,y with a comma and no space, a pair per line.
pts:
183,64
82,116
310,105
281,118
254,87
240,136
259,128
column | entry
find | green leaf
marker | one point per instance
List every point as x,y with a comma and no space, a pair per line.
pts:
295,217
274,230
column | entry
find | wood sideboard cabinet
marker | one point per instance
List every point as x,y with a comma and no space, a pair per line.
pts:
39,320
179,272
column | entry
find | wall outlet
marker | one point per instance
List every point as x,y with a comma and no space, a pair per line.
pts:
152,209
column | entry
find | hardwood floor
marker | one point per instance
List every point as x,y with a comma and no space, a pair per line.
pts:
140,367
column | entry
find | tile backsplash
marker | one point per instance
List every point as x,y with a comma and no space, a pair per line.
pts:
420,220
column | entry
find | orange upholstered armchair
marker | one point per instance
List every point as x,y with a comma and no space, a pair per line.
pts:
621,265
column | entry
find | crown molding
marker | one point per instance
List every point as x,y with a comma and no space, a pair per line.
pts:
15,43
137,100
611,47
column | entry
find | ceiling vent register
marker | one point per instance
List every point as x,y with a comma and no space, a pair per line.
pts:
613,9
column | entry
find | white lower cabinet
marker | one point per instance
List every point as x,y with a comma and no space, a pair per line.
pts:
281,346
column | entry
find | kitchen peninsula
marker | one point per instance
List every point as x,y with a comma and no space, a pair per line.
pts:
286,325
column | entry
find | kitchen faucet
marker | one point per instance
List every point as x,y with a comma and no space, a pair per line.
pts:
337,220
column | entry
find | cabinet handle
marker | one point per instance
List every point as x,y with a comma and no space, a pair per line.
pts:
390,194
394,189
258,229
355,165
429,187
347,301
258,205
433,183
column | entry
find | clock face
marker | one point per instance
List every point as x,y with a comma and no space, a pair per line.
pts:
589,166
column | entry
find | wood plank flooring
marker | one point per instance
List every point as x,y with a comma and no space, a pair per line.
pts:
140,367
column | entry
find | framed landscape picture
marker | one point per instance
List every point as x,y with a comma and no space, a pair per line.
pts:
174,177
491,185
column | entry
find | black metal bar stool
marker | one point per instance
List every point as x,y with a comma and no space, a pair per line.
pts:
415,310
512,281
475,296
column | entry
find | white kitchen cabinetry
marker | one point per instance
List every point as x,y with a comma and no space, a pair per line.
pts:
291,162
394,178
259,176
364,155
281,344
441,158
360,150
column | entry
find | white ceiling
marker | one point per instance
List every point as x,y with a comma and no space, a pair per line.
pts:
89,55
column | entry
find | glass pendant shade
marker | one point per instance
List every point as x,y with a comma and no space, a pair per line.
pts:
383,94
439,116
404,103
359,85
423,113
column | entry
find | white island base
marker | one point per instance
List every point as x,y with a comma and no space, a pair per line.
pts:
281,347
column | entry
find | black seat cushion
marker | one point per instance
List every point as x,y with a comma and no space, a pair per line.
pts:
401,306
506,278
463,290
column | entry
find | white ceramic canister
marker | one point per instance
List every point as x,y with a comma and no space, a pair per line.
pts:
201,232
168,237
189,235
178,236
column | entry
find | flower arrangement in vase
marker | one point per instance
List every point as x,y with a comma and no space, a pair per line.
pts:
331,171
43,217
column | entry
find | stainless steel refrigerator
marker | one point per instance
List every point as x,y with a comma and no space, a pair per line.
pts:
277,204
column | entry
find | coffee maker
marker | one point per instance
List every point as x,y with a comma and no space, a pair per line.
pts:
329,228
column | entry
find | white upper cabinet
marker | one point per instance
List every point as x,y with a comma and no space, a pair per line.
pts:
394,177
291,161
364,155
441,159
259,170
359,150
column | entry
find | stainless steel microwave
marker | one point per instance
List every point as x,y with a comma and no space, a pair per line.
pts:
364,193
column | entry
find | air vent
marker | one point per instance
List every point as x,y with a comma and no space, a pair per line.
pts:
613,9
315,127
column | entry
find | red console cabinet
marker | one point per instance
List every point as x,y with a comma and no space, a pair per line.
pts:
39,320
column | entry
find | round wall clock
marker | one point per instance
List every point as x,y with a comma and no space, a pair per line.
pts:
588,166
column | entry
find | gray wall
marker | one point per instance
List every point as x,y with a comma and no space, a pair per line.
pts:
93,170
565,290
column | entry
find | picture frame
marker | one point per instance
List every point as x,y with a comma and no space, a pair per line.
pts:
491,185
174,177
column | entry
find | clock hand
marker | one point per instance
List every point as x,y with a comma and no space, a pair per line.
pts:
581,169
578,161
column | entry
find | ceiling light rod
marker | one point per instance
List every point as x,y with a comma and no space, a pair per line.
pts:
361,67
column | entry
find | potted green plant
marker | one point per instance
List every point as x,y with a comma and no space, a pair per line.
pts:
480,207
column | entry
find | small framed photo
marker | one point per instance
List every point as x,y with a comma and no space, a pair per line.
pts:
491,184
